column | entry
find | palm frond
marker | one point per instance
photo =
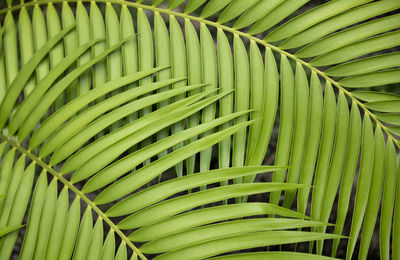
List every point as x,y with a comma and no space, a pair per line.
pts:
104,110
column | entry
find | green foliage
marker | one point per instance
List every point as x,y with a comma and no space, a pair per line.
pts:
133,129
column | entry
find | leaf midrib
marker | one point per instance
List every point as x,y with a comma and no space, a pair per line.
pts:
228,29
192,18
78,193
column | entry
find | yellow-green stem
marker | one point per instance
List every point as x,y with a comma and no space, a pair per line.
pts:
228,29
78,193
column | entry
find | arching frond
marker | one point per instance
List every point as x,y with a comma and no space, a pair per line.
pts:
103,98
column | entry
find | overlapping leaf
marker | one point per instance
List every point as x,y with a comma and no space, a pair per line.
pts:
106,111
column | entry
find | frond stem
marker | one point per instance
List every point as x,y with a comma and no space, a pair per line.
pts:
78,193
228,29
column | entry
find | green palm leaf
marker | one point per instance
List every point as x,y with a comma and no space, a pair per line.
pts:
157,134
